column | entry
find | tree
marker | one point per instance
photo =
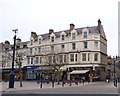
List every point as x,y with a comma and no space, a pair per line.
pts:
19,59
55,60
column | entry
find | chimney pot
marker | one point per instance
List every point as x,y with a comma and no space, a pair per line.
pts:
51,31
72,26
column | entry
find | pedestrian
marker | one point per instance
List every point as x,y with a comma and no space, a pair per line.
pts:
83,79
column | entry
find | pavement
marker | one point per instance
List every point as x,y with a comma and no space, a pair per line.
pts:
34,87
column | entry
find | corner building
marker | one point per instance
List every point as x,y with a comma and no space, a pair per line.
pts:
78,49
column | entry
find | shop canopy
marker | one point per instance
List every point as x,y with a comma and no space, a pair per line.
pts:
79,71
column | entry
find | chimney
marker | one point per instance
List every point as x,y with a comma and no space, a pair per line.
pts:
51,31
33,34
99,25
18,40
71,26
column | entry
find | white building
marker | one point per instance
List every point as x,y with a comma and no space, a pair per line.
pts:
77,48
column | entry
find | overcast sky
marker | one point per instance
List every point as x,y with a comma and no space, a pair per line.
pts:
42,15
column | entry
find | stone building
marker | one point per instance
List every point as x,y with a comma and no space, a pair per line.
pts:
73,51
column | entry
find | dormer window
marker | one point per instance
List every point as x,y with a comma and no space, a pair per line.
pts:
63,37
52,39
73,36
39,40
84,34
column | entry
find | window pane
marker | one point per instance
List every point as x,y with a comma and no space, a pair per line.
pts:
63,46
61,58
63,37
73,46
76,57
52,39
37,60
96,44
40,41
72,57
31,60
84,57
73,36
85,35
85,44
88,56
40,60
96,57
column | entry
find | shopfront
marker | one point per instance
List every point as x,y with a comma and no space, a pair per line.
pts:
30,74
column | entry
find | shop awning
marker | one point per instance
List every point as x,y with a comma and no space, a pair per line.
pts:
79,71
63,68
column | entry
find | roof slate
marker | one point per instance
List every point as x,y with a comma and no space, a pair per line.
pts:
92,29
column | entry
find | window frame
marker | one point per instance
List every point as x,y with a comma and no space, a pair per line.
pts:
71,57
85,35
85,44
95,56
74,36
73,46
84,58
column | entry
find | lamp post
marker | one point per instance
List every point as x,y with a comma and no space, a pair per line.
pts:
11,78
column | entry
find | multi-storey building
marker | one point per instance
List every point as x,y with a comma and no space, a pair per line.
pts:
6,51
77,49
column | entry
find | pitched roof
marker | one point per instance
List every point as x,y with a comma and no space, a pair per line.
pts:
92,29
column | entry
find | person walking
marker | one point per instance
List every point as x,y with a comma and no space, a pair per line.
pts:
83,79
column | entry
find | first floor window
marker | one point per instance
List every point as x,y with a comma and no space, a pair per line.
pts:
96,57
72,57
28,60
96,44
37,59
76,57
88,56
84,57
85,44
40,60
61,58
31,60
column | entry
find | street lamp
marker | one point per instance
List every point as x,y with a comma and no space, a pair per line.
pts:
11,78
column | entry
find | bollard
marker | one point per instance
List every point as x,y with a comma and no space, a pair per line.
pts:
52,83
62,83
41,84
70,83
